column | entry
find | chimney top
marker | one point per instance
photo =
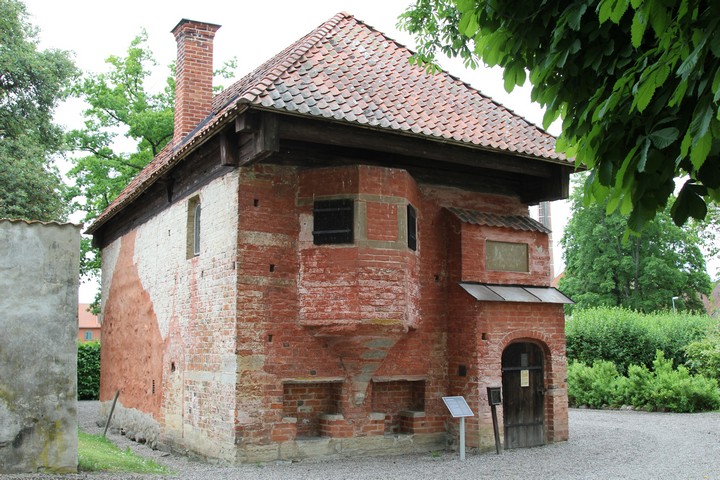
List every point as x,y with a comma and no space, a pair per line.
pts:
194,75
185,20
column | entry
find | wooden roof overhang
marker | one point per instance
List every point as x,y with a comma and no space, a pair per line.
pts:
249,134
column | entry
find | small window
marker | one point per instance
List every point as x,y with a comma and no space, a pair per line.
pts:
411,227
88,335
196,231
333,221
193,227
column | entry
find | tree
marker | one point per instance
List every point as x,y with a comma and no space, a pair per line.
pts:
32,82
636,83
708,230
605,267
120,105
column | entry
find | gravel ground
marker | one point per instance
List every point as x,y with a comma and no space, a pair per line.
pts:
607,444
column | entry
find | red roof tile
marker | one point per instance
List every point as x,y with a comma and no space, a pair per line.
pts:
349,72
515,222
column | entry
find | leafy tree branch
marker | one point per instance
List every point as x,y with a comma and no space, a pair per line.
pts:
635,82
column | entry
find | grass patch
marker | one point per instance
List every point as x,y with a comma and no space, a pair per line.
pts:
97,453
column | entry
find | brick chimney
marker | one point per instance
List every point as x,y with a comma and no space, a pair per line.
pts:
194,75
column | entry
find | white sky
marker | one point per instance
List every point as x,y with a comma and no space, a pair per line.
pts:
252,31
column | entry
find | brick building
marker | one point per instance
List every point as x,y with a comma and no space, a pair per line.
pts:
324,251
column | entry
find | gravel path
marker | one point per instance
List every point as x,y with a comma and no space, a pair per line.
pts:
603,445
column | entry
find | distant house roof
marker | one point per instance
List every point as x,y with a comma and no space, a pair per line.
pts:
346,71
86,319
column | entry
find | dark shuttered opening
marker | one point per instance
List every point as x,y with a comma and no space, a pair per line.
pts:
333,221
411,227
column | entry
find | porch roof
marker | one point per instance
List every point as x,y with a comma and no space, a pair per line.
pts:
483,292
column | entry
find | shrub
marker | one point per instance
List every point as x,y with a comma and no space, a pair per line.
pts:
88,370
624,337
663,388
703,356
594,386
668,389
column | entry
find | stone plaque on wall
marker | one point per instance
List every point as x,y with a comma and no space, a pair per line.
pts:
506,256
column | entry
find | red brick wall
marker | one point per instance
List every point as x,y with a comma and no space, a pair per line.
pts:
375,278
194,67
310,316
473,256
382,221
307,401
132,349
393,397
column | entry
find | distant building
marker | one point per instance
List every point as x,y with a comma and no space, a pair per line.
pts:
88,325
712,303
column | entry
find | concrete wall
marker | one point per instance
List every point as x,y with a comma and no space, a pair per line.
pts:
38,347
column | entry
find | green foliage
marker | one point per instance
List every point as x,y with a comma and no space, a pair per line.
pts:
120,105
636,83
88,370
596,386
32,82
624,337
30,186
642,271
703,356
119,102
98,454
660,389
665,388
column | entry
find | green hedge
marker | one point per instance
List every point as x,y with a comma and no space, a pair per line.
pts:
660,389
88,370
703,356
625,337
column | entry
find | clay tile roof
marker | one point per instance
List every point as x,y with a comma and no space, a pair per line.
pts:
515,222
365,77
346,71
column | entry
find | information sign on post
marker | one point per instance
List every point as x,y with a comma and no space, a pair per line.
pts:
459,409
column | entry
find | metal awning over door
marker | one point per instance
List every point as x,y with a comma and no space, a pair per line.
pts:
484,292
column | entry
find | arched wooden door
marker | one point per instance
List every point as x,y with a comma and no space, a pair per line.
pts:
523,395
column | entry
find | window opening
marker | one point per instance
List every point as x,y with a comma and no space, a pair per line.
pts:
88,335
333,221
411,227
193,227
196,231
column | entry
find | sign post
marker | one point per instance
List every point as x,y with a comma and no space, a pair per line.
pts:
495,399
459,409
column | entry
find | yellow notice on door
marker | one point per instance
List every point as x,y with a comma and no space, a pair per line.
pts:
524,378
